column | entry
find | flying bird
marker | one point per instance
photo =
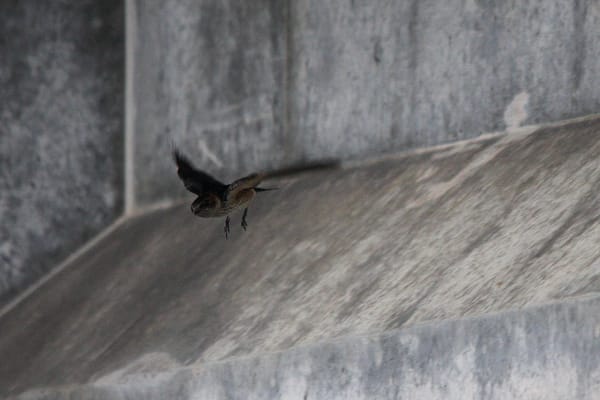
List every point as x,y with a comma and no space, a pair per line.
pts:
216,199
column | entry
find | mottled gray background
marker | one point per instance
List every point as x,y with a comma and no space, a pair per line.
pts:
495,224
61,131
251,85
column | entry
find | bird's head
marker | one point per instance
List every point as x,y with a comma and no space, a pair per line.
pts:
204,205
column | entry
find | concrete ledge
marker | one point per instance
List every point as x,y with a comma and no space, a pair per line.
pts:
549,352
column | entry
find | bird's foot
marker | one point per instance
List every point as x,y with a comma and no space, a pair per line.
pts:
227,230
244,223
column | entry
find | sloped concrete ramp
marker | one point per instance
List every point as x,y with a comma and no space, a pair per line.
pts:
332,265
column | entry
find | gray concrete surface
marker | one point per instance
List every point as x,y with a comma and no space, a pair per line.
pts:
209,77
254,85
463,230
61,121
370,77
551,352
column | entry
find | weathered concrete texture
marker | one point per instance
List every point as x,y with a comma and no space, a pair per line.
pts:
61,120
497,224
251,85
551,352
369,78
208,78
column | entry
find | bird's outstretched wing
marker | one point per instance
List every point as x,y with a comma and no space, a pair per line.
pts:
196,181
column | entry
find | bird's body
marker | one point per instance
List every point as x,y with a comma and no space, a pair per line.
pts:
216,199
216,208
210,205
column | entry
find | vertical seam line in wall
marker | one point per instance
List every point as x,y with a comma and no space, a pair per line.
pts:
130,110
288,82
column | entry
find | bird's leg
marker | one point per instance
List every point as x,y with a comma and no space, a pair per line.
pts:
227,230
244,223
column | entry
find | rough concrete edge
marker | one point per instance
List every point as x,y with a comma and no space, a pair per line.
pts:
413,329
61,266
509,134
136,212
164,376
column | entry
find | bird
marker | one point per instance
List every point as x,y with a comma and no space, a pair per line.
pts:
216,199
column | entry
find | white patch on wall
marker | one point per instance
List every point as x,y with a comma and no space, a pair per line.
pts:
208,154
516,111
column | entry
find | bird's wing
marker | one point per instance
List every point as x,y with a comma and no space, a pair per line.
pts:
195,181
246,182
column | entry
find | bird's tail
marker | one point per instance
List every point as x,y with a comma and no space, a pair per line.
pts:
296,169
264,189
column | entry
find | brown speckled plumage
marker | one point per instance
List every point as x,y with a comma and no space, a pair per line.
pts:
216,199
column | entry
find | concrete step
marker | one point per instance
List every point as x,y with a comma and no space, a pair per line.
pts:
457,231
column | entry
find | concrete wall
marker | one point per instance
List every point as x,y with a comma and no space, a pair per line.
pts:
61,121
370,77
249,85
